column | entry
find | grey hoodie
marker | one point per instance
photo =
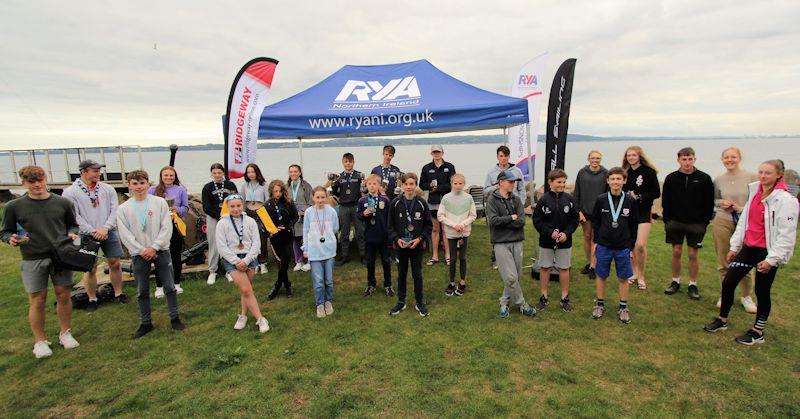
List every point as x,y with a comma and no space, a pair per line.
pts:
588,186
498,213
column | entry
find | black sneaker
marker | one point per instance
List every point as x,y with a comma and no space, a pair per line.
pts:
693,292
400,306
176,324
143,329
91,307
272,294
751,338
543,302
716,325
423,311
565,305
461,289
289,291
672,288
369,290
451,289
389,291
585,270
122,298
342,261
592,274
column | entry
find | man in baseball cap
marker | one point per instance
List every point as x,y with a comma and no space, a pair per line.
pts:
435,178
89,164
507,175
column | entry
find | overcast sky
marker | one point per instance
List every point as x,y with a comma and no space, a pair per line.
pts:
157,72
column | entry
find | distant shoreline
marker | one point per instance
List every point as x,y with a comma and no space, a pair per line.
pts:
457,139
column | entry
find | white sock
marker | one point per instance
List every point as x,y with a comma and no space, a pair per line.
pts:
678,280
693,283
93,299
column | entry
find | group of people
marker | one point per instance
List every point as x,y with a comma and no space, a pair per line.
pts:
753,220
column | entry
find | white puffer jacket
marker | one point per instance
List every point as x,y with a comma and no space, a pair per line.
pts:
780,222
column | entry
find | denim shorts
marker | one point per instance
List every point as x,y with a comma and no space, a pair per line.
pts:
112,247
621,259
229,267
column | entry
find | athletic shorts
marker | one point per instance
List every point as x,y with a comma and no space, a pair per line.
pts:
112,247
621,259
229,267
35,274
560,258
645,217
677,231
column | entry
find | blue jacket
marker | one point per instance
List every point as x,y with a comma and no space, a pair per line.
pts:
376,230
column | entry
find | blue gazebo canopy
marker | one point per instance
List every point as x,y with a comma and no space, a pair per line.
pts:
395,99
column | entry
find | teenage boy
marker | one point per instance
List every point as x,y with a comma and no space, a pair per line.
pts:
435,178
409,227
490,184
555,217
145,227
506,216
615,221
33,222
95,205
348,189
688,207
388,173
373,211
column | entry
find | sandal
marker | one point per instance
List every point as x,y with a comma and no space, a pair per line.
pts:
642,286
432,262
447,261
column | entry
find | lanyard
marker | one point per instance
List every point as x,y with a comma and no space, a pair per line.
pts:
409,209
238,233
95,199
141,211
251,190
615,212
372,202
219,191
294,189
320,223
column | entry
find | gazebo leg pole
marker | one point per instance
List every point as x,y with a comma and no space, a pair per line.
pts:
301,150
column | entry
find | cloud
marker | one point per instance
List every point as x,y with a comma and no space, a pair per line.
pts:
152,73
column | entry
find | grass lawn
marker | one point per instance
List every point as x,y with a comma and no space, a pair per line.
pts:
462,361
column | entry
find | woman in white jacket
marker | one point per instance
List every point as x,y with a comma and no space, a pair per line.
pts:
238,243
764,239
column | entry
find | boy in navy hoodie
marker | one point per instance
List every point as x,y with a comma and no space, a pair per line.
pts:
373,210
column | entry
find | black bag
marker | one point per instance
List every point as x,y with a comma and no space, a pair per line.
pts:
105,293
80,299
80,257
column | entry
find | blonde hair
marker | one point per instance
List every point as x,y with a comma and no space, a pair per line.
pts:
643,159
373,177
736,149
458,176
598,152
778,165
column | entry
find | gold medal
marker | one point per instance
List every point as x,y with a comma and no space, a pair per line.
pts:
410,227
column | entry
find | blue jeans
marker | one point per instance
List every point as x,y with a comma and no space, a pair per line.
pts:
322,277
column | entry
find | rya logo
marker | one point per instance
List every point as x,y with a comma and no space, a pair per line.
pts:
528,80
360,94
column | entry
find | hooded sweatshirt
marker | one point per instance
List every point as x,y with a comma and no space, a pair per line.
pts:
588,185
490,184
91,217
498,213
780,225
227,237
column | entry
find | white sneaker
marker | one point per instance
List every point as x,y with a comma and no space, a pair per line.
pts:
263,325
306,267
230,278
297,267
159,292
263,268
212,278
328,308
320,311
241,322
42,349
178,289
67,341
749,305
719,303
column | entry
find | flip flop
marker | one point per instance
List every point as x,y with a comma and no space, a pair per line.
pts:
432,262
447,261
642,286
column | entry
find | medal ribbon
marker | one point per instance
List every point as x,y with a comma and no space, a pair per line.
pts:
141,211
94,199
320,223
615,212
409,209
294,189
238,233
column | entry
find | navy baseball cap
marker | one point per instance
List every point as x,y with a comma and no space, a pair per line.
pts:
507,175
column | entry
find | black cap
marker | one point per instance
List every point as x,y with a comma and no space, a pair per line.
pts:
507,175
90,164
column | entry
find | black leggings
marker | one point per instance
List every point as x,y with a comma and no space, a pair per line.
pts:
285,250
461,252
175,250
747,259
411,257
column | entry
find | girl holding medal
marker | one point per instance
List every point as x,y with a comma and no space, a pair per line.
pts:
615,221
239,243
320,226
302,198
255,195
284,215
410,226
213,194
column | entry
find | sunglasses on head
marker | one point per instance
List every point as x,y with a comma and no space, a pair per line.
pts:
230,198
